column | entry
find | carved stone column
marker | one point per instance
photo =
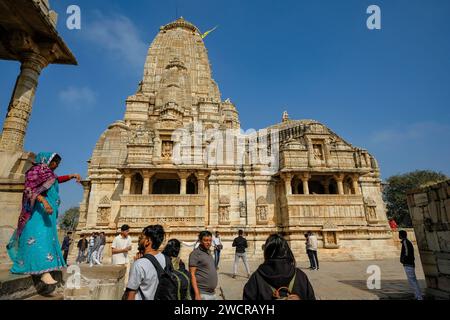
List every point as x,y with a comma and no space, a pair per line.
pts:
183,180
84,204
305,180
201,177
340,183
19,109
146,186
355,182
127,183
287,177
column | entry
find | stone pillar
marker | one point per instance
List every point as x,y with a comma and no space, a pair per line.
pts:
85,201
288,183
201,177
183,179
340,183
127,184
355,179
19,109
305,180
146,186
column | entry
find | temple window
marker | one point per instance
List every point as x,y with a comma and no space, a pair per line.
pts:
333,188
192,185
316,187
137,183
166,184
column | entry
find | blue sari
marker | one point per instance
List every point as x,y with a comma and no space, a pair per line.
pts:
36,249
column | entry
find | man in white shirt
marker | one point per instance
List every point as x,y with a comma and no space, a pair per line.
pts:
311,248
121,245
217,244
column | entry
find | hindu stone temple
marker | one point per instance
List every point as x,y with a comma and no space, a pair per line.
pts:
179,158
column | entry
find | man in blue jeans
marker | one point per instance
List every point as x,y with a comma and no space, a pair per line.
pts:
240,243
407,259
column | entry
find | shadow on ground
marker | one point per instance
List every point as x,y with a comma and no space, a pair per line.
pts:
390,289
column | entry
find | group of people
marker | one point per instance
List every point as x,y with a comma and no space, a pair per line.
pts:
91,248
277,278
34,249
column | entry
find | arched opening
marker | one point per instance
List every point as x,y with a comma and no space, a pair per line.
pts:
333,188
137,183
192,185
166,184
348,186
316,187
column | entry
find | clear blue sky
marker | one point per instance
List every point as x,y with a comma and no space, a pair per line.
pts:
387,91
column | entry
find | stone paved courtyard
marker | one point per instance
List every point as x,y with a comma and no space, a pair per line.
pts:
336,280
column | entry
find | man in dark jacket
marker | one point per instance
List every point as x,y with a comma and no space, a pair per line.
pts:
82,246
407,259
240,243
66,245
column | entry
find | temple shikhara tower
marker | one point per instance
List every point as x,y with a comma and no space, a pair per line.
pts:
179,158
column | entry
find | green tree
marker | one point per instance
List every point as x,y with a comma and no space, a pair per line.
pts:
69,220
394,193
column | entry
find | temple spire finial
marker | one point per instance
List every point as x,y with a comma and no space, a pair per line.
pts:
285,116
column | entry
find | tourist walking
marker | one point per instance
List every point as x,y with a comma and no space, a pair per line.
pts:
95,249
65,247
82,247
311,249
203,270
217,243
240,243
408,260
143,280
102,247
278,277
91,243
120,247
34,247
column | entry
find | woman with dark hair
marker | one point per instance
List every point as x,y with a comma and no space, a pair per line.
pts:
278,277
34,247
172,250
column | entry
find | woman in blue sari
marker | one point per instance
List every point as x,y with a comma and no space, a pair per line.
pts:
34,247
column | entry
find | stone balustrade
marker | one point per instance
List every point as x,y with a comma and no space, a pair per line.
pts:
318,209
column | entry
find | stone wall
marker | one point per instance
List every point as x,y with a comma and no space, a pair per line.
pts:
430,213
13,166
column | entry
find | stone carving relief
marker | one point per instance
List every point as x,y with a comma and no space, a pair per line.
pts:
104,211
224,210
370,209
262,211
167,150
330,235
140,135
318,152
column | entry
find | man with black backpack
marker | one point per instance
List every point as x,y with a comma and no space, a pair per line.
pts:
151,276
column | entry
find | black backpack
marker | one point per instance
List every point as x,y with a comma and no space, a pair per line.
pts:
168,284
184,283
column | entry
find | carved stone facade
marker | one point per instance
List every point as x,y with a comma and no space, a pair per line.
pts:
167,162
